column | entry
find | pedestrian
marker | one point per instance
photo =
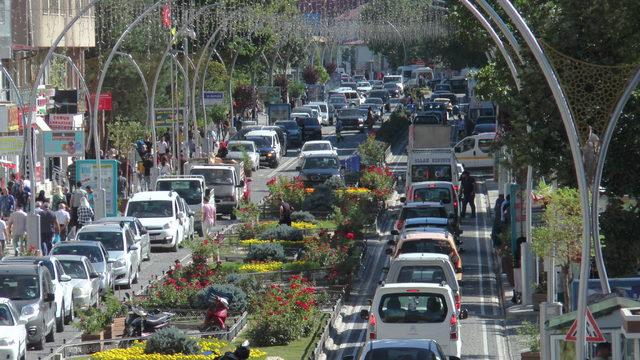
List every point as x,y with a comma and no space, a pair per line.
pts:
17,225
90,196
71,173
370,119
63,218
4,235
85,214
285,212
165,167
163,147
12,181
7,203
495,230
48,228
67,195
76,201
122,185
147,164
57,198
468,183
208,218
504,210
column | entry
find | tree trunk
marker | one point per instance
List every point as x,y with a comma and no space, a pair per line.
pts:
566,281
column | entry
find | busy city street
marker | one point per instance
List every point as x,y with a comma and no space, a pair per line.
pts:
319,180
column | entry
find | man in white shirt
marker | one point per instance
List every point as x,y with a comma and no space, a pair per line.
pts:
63,218
18,229
163,147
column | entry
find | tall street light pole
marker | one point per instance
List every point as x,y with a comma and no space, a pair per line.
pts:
404,47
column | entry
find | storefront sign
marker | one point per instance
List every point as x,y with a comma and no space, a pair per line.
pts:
63,143
11,145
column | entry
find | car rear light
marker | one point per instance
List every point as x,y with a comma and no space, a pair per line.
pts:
455,204
372,327
458,299
453,328
413,290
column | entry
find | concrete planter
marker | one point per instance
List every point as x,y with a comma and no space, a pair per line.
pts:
530,355
117,327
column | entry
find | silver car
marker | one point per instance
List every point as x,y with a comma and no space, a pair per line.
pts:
84,279
97,255
140,234
399,349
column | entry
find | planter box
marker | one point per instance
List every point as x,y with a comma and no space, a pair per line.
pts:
538,298
117,327
93,348
530,355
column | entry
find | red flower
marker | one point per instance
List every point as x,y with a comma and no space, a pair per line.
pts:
351,236
272,181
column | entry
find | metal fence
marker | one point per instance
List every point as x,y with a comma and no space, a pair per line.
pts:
319,349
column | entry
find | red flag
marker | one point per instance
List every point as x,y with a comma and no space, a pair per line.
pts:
166,16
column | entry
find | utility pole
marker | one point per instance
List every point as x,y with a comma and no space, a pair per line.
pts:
185,111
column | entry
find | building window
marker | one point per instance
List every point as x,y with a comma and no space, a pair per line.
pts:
45,6
54,7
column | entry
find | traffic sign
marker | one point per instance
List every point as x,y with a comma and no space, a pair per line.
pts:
212,97
593,331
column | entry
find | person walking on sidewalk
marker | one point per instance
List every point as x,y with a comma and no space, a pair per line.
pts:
7,203
208,218
48,228
18,229
85,214
63,218
4,235
76,200
468,185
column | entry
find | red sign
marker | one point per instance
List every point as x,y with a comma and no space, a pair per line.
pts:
166,16
105,102
593,331
61,121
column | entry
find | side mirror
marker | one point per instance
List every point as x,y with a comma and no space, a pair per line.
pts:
65,278
134,247
391,242
241,183
403,199
395,232
457,149
463,314
94,275
388,251
50,297
364,314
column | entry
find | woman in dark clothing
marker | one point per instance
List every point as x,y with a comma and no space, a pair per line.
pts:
41,196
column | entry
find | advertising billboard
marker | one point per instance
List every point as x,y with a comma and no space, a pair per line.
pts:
87,174
63,143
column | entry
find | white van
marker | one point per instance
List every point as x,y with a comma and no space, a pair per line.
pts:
353,98
324,110
424,268
416,311
474,151
192,189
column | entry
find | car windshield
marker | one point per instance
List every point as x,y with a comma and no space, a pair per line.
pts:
289,125
74,268
316,147
363,84
240,147
6,319
310,121
391,79
189,190
391,86
432,194
19,287
215,176
422,212
400,353
431,173
427,119
482,128
321,163
425,225
422,274
350,112
111,240
426,246
261,141
412,308
92,253
337,100
376,101
150,208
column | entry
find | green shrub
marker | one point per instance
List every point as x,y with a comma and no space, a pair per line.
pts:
235,295
265,252
282,232
171,341
276,331
321,199
302,216
398,123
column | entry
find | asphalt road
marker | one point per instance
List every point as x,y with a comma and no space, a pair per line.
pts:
482,333
161,261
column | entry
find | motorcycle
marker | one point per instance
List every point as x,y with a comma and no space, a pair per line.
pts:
140,323
216,315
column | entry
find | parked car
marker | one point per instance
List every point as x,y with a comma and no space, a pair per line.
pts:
188,219
396,349
318,168
416,311
13,333
268,146
393,89
310,129
159,212
352,119
97,255
61,288
237,148
140,234
294,133
121,247
435,191
322,147
191,188
84,279
30,289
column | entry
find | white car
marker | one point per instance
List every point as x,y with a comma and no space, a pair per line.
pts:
299,115
158,212
61,289
188,219
122,249
140,234
397,349
317,147
315,111
416,311
13,333
84,279
236,147
364,86
324,111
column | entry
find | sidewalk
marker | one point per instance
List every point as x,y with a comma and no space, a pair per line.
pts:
515,315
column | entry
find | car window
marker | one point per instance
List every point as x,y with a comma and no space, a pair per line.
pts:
190,190
74,268
421,273
321,163
426,246
111,240
59,268
6,319
19,287
485,145
349,112
151,208
432,194
93,253
46,283
405,308
430,173
316,147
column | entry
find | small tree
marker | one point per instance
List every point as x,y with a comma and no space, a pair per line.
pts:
244,97
331,68
123,134
282,81
561,235
296,89
323,75
310,75
372,151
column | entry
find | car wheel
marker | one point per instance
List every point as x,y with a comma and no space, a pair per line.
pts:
274,164
175,244
50,336
69,318
60,320
40,344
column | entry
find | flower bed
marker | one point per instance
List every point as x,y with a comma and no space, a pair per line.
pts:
211,349
285,243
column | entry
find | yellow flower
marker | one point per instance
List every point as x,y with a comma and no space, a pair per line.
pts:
250,242
360,190
261,267
136,352
302,225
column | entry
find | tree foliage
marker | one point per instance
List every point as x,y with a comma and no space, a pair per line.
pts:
123,134
621,253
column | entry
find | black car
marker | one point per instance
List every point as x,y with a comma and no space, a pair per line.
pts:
393,90
318,168
381,94
429,118
352,119
267,153
294,133
311,130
